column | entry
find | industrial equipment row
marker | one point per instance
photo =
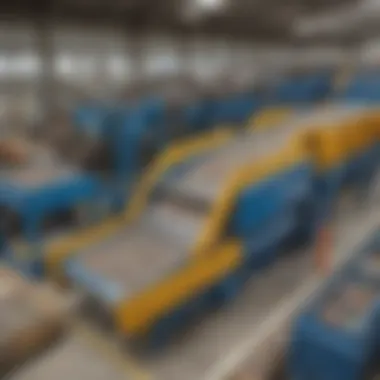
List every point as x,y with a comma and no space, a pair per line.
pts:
209,214
82,170
205,215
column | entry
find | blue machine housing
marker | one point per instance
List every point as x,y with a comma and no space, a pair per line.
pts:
90,118
324,350
198,116
275,213
303,89
34,204
364,87
80,189
236,109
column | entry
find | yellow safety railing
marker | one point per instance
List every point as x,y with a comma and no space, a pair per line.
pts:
136,315
215,258
271,117
254,172
59,250
174,155
330,147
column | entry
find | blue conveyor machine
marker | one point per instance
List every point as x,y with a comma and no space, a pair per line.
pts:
207,215
201,247
364,86
36,192
208,222
337,334
303,89
235,107
292,94
124,139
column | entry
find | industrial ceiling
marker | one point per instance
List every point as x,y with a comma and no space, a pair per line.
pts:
296,21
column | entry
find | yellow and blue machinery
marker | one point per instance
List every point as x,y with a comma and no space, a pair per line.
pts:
201,224
336,336
201,221
235,107
292,95
127,137
45,187
303,88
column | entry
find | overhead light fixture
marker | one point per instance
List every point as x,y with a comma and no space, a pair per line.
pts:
329,23
370,5
210,5
194,10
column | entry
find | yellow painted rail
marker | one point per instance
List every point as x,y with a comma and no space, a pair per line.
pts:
136,315
176,154
249,174
271,117
214,259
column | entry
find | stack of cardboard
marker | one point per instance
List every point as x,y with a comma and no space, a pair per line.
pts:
31,317
13,152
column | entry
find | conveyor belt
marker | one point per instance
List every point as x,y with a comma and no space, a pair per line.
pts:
206,179
141,254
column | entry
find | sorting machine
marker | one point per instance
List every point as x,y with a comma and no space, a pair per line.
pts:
203,220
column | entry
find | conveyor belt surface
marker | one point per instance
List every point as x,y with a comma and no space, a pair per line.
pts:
204,181
145,252
148,250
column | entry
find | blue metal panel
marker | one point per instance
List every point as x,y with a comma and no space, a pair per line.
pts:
262,203
198,115
91,119
34,204
235,109
337,335
340,348
273,214
363,166
365,86
304,89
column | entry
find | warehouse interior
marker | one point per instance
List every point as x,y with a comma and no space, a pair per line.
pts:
189,189
53,50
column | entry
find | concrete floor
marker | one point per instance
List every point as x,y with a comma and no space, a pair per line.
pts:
221,342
